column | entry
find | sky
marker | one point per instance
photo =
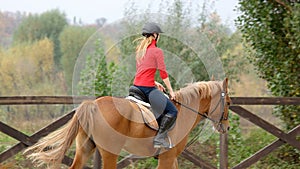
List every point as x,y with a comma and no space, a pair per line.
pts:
89,10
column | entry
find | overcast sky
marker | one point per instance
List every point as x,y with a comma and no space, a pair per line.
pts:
112,10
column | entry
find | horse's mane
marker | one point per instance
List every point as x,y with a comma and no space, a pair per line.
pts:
201,90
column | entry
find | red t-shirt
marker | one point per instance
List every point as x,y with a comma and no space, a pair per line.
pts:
147,66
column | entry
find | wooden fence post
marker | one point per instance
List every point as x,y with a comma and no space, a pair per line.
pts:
224,151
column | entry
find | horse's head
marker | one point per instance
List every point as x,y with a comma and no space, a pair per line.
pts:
219,104
212,102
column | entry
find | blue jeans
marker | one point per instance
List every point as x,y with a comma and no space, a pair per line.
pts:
159,102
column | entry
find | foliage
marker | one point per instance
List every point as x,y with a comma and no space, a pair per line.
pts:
96,77
8,24
242,145
271,29
37,27
72,39
237,151
148,163
235,61
28,69
191,34
32,63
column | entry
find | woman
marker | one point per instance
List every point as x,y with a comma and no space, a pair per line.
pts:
149,59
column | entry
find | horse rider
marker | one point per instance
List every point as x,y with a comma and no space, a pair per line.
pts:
149,59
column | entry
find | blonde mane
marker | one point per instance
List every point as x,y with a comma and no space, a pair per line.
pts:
200,90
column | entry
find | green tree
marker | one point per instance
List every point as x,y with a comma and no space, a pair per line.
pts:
271,30
36,27
8,24
72,39
97,75
28,69
187,31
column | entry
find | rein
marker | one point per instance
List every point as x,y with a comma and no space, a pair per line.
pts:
221,100
195,111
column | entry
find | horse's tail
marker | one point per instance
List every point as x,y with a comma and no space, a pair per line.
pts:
51,149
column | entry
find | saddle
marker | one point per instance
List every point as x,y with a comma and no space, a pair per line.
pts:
137,96
150,117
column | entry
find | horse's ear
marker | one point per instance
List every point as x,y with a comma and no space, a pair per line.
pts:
212,78
225,84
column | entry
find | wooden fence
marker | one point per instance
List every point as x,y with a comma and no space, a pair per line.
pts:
283,138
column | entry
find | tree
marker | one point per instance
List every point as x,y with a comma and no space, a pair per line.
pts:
197,38
46,25
96,77
100,22
8,24
72,39
28,68
271,29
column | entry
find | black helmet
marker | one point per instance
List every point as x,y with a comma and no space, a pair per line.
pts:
150,28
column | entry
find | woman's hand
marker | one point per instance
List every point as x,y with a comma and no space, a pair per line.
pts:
160,86
172,95
168,84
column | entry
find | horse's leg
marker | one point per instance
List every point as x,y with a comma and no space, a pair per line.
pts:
168,160
109,160
84,149
176,163
166,163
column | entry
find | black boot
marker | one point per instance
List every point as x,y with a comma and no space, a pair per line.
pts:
160,139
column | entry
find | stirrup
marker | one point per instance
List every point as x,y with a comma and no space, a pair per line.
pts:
170,143
168,146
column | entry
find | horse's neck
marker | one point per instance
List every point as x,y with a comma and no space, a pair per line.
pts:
187,115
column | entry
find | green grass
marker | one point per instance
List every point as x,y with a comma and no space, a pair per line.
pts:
6,142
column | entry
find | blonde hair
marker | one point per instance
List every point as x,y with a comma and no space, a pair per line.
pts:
141,48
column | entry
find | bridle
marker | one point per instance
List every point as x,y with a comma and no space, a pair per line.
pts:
223,116
205,115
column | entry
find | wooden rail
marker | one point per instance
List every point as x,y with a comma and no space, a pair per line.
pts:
265,100
19,100
22,100
283,138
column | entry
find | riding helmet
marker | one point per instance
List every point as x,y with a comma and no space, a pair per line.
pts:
150,28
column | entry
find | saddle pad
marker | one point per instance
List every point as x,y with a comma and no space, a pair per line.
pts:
138,101
148,116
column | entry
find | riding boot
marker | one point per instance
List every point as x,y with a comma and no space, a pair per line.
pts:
160,139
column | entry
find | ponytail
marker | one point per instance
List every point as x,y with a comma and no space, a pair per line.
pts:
142,46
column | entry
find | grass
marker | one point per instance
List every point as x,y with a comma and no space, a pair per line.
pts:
17,120
6,142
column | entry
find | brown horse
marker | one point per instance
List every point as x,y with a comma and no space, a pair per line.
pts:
112,124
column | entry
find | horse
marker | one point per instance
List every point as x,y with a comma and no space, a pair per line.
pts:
112,124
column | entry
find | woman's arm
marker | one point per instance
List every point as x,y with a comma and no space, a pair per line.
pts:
169,87
159,86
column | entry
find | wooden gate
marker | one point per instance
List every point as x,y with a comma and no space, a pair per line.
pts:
283,138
